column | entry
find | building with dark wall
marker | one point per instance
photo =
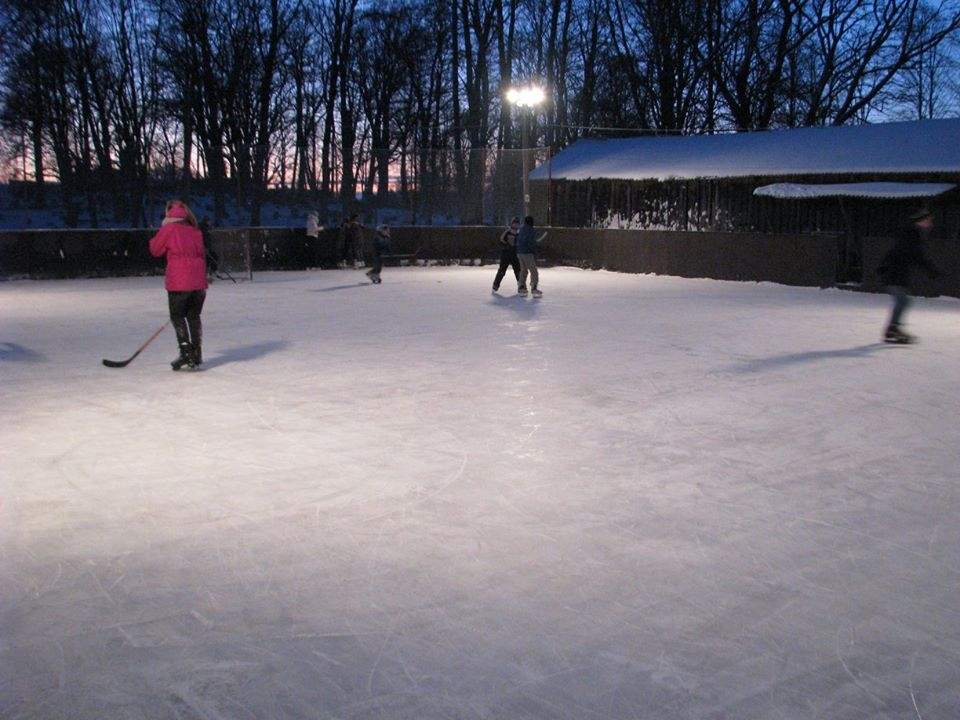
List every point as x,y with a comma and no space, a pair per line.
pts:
709,182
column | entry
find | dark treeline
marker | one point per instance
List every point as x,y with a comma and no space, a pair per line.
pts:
335,96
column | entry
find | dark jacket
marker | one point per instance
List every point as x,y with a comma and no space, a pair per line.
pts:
381,243
213,257
526,240
351,231
906,254
508,242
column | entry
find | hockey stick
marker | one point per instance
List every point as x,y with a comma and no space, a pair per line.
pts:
124,363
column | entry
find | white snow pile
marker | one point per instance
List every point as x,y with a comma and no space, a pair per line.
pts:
904,147
883,190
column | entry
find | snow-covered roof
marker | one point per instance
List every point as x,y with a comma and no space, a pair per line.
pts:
904,147
887,190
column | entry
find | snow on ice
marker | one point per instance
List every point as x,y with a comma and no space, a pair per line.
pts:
641,497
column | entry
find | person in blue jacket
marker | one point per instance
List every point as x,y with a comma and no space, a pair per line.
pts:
527,254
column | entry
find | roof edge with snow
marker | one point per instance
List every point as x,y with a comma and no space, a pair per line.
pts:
893,149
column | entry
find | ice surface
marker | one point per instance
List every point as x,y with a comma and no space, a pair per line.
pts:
641,497
904,147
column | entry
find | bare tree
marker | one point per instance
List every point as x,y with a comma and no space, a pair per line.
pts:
749,53
110,97
861,48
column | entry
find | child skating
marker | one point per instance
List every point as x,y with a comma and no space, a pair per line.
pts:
381,245
181,242
508,255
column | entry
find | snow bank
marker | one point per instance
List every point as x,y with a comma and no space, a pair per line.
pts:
888,190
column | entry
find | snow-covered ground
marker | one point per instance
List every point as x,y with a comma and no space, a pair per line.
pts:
641,497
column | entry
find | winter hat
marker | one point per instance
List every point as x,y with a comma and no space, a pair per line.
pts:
920,214
177,212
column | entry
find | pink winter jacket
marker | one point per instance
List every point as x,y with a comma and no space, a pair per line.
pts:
186,259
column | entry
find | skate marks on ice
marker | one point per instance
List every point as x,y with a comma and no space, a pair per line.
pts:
351,286
13,352
376,547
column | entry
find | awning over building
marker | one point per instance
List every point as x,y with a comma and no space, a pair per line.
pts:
926,146
876,190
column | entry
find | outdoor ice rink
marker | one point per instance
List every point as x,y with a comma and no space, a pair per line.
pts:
640,497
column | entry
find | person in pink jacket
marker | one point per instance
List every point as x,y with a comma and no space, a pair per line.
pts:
180,240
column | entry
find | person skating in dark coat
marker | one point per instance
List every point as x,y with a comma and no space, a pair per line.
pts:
508,254
213,257
381,245
351,240
897,267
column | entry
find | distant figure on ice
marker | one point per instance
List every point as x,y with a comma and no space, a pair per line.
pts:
351,240
508,254
527,242
381,245
180,240
896,268
213,258
311,246
313,225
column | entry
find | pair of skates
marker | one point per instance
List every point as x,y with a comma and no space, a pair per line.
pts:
374,277
522,292
896,336
190,357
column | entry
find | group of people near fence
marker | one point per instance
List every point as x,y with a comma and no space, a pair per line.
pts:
180,241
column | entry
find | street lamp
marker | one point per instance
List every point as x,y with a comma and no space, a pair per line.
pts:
528,97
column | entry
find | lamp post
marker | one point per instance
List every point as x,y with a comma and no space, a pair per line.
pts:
526,98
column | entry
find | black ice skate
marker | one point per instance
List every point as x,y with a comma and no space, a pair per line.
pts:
536,293
896,336
186,358
522,291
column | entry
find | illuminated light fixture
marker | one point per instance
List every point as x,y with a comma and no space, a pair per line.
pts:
529,96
